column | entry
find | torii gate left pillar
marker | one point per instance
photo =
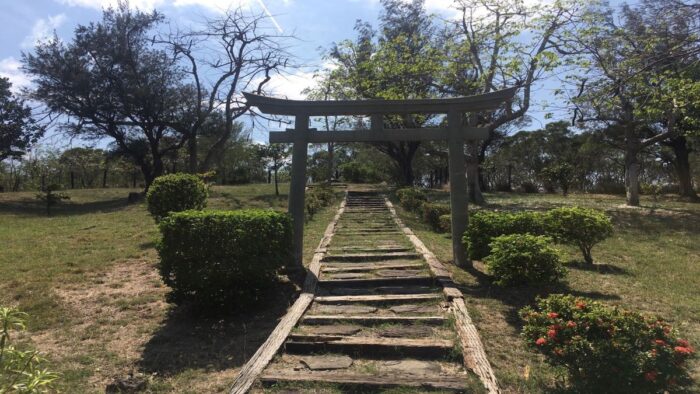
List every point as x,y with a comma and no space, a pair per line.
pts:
297,185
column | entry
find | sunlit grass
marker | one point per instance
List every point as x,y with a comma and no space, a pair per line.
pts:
651,264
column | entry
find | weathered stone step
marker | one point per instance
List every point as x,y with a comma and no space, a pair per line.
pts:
381,298
370,347
345,267
422,280
368,230
363,291
360,249
360,383
371,256
367,233
370,320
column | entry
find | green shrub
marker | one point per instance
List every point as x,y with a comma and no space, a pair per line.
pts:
603,348
432,213
218,258
485,225
411,198
446,223
524,259
317,198
529,187
580,227
20,370
176,193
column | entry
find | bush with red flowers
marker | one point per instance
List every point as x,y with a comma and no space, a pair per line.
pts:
602,347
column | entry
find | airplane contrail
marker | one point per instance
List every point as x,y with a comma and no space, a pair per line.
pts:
272,18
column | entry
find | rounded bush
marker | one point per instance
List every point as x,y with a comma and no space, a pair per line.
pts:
603,348
411,198
223,258
432,213
580,227
446,223
524,259
175,193
485,225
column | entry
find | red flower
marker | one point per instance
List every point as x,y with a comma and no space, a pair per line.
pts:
683,350
651,376
580,304
571,324
660,342
683,342
540,341
552,315
552,334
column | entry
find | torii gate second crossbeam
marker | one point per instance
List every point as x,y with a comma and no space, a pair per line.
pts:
455,133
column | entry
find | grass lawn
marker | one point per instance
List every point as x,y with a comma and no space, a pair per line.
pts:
651,264
87,276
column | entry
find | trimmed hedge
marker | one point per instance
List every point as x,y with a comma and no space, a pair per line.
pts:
411,198
175,193
432,213
580,227
223,258
606,349
524,259
485,225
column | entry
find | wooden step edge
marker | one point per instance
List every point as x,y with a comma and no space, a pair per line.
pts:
377,282
370,256
372,319
370,347
365,267
359,383
379,298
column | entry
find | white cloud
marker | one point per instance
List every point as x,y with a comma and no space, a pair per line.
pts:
11,68
291,85
43,29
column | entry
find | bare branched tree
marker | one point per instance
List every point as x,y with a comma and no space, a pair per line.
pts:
231,53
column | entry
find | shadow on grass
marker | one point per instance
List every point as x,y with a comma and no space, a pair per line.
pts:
30,207
601,268
515,298
187,340
271,199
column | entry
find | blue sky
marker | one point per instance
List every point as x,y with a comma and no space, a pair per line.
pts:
315,23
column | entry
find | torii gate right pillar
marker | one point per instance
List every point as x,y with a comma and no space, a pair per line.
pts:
458,185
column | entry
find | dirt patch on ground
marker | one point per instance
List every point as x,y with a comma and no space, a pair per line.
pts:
112,315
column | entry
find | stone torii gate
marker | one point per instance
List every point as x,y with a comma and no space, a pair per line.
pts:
455,133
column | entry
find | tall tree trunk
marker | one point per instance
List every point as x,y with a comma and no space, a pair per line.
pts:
632,173
192,154
331,148
682,166
104,178
473,185
277,189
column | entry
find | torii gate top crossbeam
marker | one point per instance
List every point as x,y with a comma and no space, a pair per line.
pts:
480,102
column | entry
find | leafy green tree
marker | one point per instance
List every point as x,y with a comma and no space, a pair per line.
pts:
276,156
51,196
636,80
111,82
401,60
580,227
18,130
498,44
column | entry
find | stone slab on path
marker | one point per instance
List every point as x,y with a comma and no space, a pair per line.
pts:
336,329
326,362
